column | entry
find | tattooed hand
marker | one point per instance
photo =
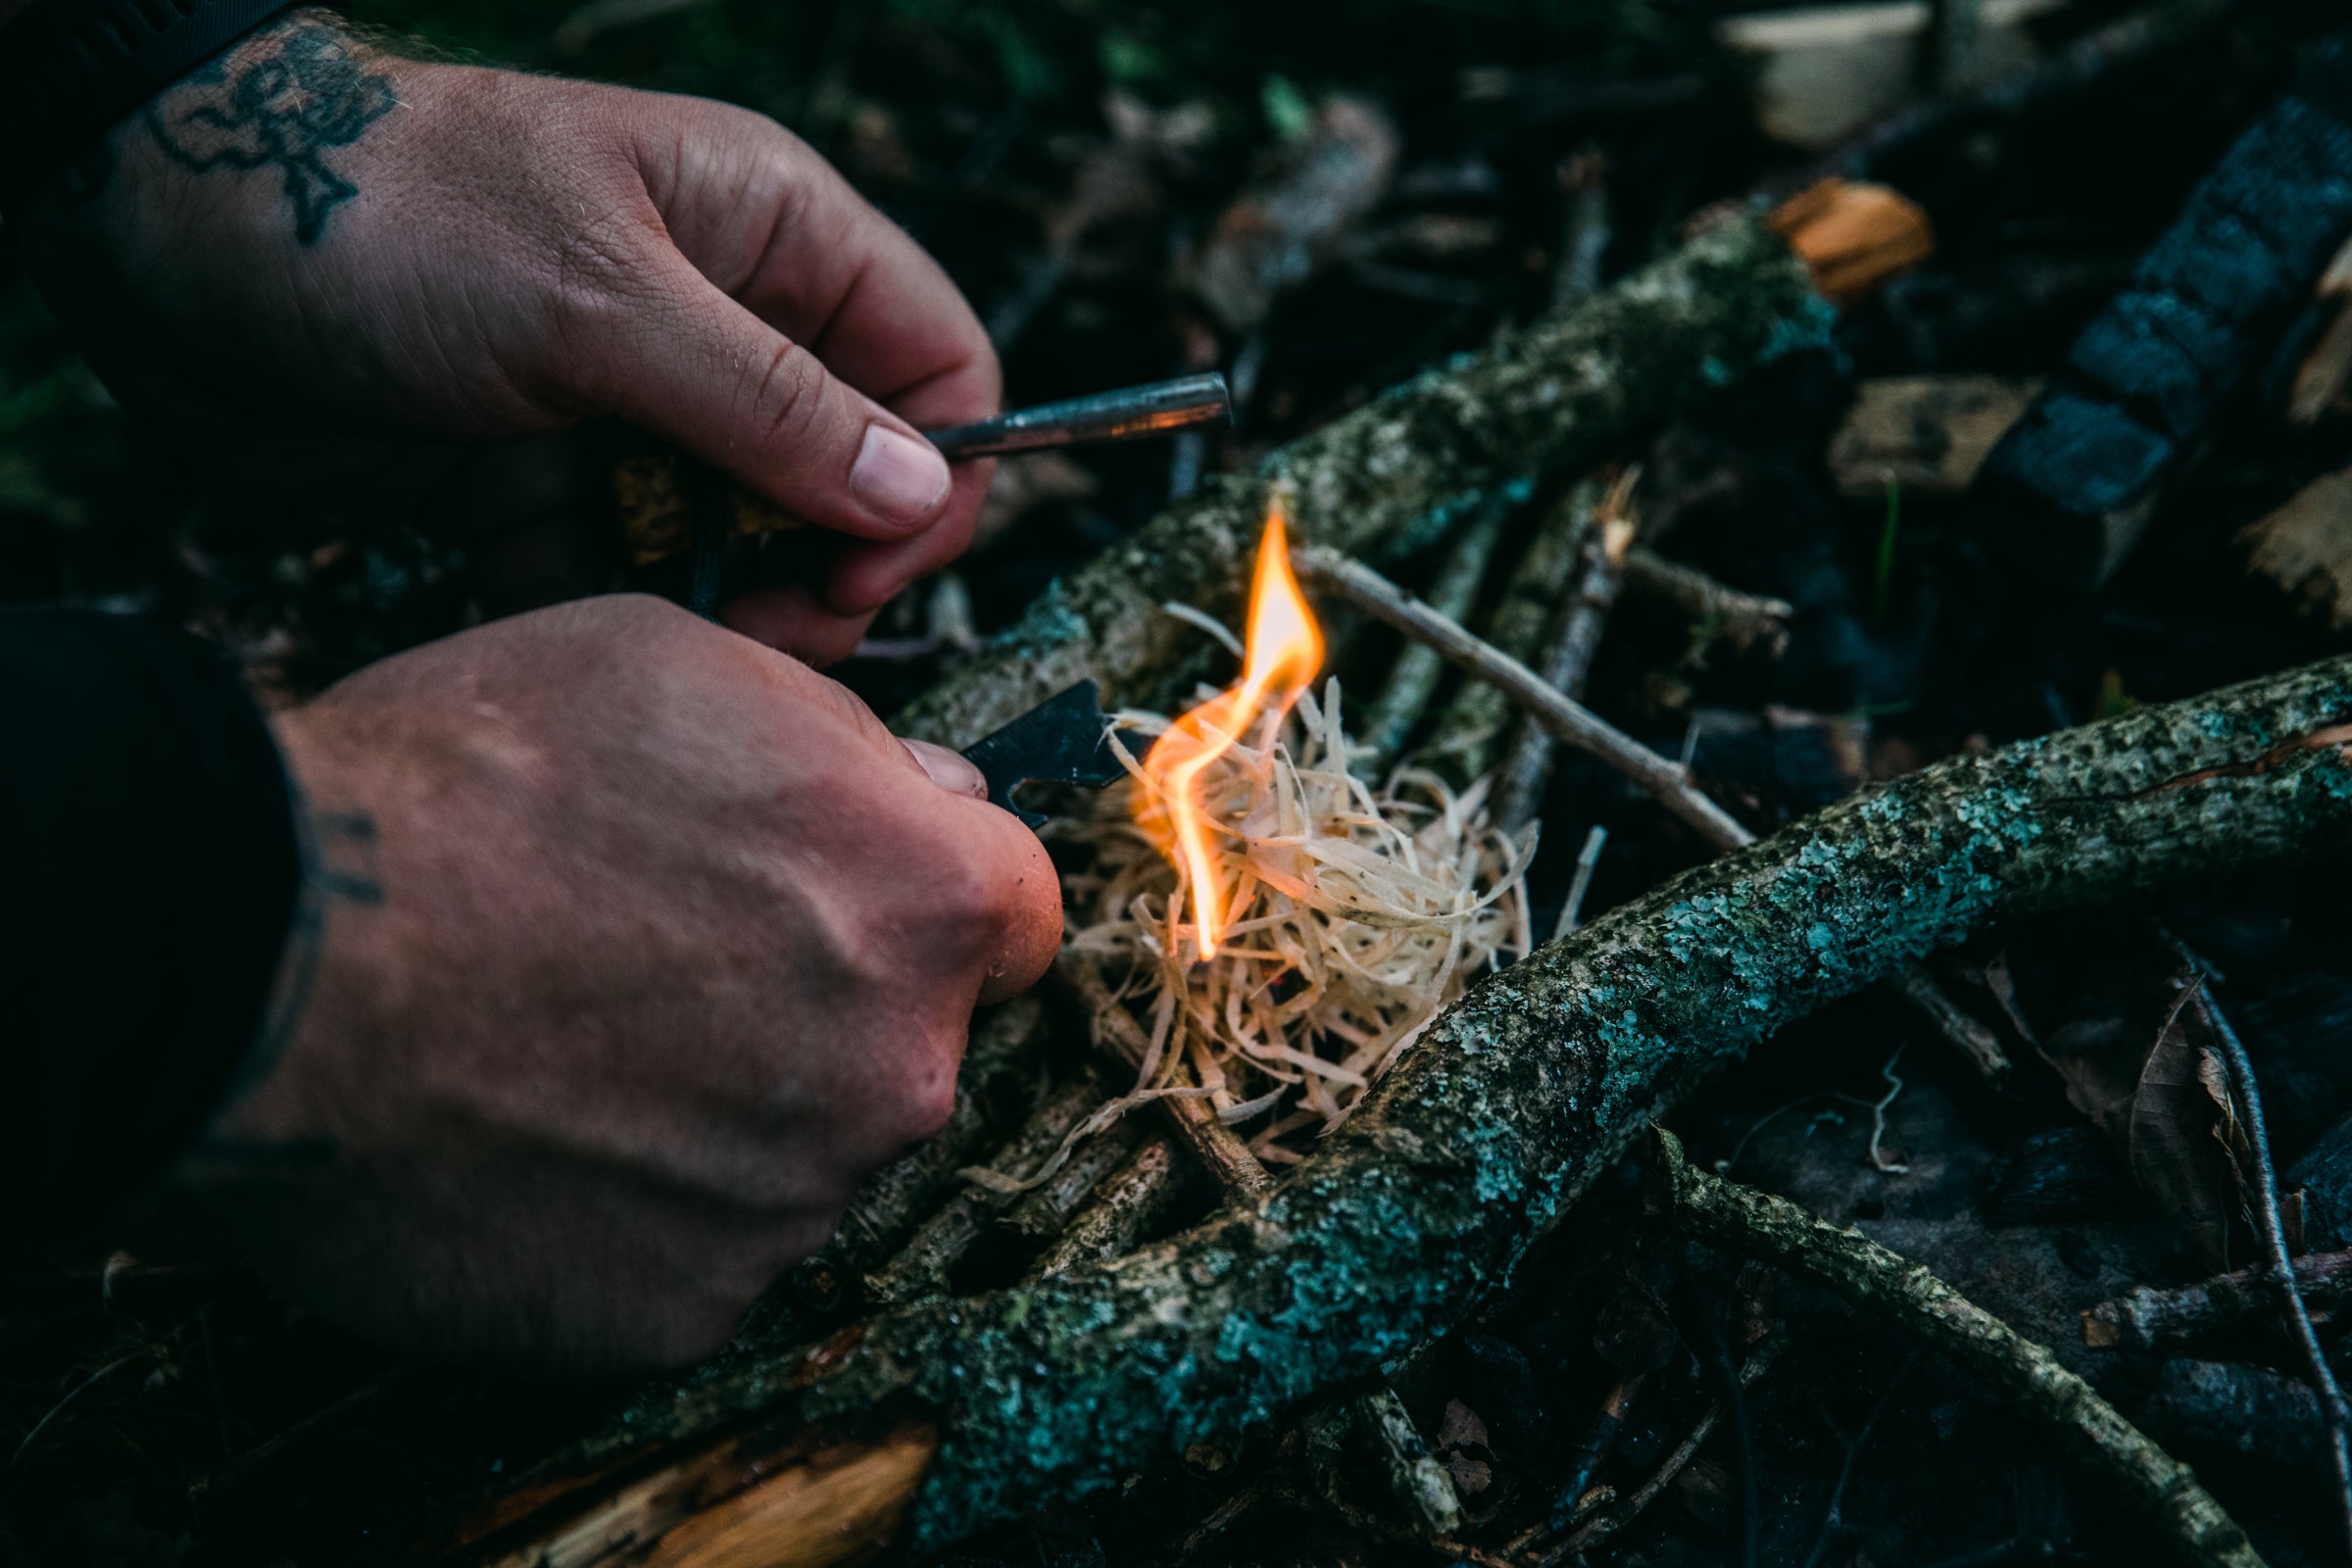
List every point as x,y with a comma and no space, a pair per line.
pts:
309,243
640,945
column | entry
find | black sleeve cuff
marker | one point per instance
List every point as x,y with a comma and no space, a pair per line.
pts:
149,866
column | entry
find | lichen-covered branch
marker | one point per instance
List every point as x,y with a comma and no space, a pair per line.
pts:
1994,1356
1716,613
1528,1090
1571,390
1129,1200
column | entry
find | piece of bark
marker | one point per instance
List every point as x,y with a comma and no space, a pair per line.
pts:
1398,473
2147,1318
1128,1201
2305,547
2070,489
1926,433
2325,370
1854,235
1522,1096
1989,1355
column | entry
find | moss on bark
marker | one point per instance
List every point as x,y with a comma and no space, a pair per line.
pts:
1385,479
1534,1085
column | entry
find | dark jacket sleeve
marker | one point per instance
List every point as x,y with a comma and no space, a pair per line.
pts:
148,874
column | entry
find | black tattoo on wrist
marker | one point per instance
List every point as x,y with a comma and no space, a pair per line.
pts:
307,93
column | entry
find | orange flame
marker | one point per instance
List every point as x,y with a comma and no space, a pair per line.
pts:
1284,652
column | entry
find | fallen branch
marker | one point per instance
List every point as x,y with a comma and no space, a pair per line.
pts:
1571,390
1130,1198
1666,781
1521,1097
2145,1319
1988,1351
1463,740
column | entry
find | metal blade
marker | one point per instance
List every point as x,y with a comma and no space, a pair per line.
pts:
1063,740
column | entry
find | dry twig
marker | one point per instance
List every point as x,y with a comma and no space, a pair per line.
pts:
2279,1267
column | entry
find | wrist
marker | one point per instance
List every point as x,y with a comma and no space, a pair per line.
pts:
72,68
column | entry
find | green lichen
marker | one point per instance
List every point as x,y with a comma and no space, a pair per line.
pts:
1536,1082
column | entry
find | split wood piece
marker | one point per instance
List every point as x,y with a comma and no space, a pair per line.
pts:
888,1205
1926,433
1717,613
1592,1531
1394,475
2305,547
1412,680
754,1501
1522,1096
1666,781
1567,658
1990,1354
2247,1091
1854,235
1117,1034
2326,373
1463,740
2146,1318
921,1267
1045,1212
1129,1200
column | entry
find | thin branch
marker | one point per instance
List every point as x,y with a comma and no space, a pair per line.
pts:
1566,719
2279,1267
1985,1349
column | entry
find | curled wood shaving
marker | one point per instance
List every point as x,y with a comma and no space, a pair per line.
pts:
1357,916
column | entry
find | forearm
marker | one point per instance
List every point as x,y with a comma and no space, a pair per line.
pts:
148,865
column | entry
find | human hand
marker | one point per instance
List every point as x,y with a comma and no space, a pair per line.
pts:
641,945
313,243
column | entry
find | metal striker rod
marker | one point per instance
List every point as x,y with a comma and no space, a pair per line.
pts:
1154,409
1136,411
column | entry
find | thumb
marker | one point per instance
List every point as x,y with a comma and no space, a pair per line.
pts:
706,375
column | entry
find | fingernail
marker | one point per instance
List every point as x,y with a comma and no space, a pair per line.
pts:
952,771
899,476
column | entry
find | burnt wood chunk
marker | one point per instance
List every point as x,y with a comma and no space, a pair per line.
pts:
2070,487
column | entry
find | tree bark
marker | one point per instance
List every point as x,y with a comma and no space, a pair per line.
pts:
1571,390
1520,1097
